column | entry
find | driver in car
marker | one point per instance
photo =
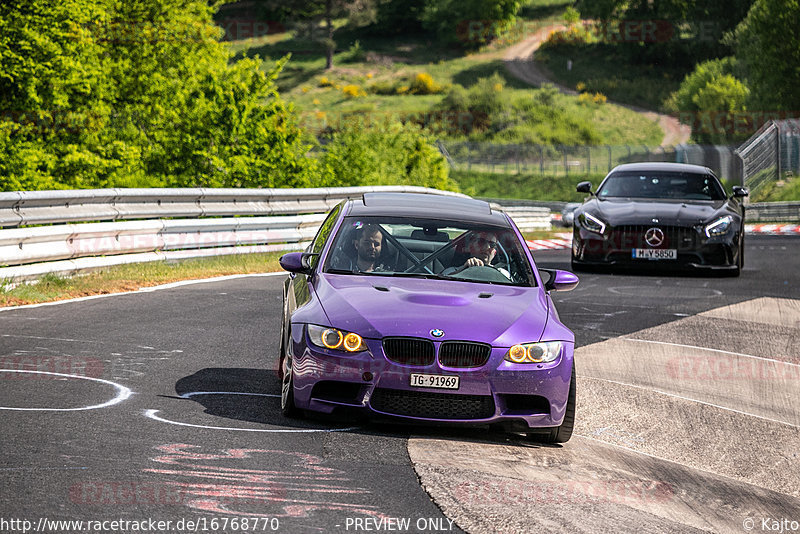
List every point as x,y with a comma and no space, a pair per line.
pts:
479,250
367,243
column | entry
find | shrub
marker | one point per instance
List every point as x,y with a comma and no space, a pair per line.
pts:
355,54
447,17
423,84
353,91
360,154
515,118
710,89
382,88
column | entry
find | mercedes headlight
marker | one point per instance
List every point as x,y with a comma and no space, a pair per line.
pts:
719,227
534,352
331,338
592,223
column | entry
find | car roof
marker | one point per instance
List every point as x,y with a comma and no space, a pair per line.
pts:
662,166
453,208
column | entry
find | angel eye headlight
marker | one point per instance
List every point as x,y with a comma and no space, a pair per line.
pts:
352,342
719,227
517,354
592,223
331,338
534,352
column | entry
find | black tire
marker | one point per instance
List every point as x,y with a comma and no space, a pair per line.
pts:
288,408
562,433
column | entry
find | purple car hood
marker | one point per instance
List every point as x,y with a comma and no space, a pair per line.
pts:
375,307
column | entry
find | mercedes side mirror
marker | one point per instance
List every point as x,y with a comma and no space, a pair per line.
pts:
740,192
584,187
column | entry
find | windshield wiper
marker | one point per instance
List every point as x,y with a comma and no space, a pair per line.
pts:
429,276
341,271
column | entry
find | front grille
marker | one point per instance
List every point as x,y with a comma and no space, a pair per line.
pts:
464,354
432,405
632,236
409,350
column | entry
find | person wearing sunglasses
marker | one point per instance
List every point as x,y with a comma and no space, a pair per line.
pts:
480,248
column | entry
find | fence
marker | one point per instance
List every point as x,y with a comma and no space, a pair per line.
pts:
582,160
771,154
141,225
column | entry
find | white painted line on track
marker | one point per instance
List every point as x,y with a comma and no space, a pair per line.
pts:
122,393
143,290
152,415
51,338
707,349
690,400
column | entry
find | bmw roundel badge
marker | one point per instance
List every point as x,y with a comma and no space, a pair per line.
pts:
437,333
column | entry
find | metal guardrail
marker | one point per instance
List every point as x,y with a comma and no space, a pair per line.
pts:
47,207
143,225
773,212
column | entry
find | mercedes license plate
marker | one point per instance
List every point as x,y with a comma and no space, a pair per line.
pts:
655,254
434,381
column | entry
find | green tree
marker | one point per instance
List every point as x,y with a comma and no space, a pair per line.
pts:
445,17
709,99
117,93
767,44
313,11
392,154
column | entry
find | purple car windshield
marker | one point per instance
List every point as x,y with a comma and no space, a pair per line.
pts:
429,248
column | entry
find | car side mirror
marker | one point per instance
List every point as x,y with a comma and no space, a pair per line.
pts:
740,192
584,187
297,262
560,280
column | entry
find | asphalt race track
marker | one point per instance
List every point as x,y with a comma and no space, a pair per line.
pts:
163,406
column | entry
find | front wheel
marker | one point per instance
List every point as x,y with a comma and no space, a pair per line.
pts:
288,408
562,433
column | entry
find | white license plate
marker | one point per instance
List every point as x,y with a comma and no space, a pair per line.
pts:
655,254
434,381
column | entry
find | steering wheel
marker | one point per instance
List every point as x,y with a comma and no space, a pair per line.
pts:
483,273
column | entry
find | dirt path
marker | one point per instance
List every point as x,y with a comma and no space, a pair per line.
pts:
520,63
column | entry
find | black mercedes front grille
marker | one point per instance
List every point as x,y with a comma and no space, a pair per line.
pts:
464,354
432,405
409,350
632,236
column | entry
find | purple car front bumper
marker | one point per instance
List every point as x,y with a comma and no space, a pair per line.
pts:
496,392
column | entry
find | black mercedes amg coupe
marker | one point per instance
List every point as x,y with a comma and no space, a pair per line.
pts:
668,215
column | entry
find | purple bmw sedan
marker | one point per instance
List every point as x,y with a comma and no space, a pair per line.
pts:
426,308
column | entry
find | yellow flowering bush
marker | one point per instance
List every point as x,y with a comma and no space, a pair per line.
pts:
353,91
424,84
